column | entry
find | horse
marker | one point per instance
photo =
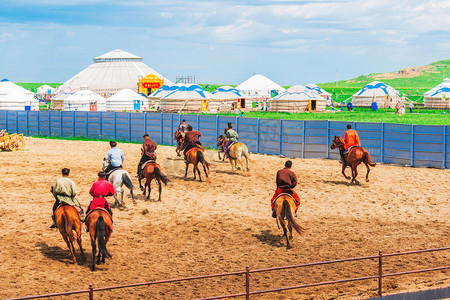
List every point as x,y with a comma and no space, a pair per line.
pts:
195,156
221,147
284,207
355,156
67,220
236,152
100,227
152,171
178,136
118,178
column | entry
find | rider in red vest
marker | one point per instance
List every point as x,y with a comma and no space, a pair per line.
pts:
351,138
99,190
286,182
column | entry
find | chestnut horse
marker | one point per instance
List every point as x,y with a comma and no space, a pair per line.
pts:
100,227
284,207
67,220
194,156
355,156
152,171
179,137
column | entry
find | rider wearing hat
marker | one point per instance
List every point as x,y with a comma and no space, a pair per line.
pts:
148,152
99,190
286,182
191,140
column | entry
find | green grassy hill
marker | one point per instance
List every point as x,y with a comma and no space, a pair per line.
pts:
34,85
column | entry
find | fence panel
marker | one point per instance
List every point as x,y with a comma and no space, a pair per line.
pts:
416,145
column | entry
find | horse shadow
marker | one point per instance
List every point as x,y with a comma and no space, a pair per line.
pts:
62,255
266,237
229,173
337,182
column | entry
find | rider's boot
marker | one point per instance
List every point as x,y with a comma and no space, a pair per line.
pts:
82,216
138,172
54,222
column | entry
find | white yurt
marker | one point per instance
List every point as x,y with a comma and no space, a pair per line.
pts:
163,91
15,97
189,98
45,90
112,72
126,99
260,86
376,91
298,101
85,100
321,91
57,102
228,95
438,97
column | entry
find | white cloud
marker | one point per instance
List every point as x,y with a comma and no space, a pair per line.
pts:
4,36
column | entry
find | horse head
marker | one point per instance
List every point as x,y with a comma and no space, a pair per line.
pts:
337,142
220,140
105,163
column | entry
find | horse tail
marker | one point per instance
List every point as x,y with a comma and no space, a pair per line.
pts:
101,235
201,159
159,175
247,155
290,218
367,158
127,181
68,226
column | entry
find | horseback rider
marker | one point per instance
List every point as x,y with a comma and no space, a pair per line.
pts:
115,158
351,139
64,192
286,182
191,140
99,190
183,127
148,152
232,136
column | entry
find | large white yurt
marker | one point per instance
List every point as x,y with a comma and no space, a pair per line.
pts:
228,95
376,91
189,98
45,90
260,86
298,101
438,97
126,99
85,100
15,97
112,72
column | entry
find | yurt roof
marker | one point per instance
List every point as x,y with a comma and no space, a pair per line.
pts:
112,72
228,94
437,91
84,96
7,87
317,88
62,96
259,83
194,92
376,88
299,95
163,91
297,87
126,95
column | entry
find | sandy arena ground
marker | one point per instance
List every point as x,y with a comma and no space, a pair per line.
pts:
222,225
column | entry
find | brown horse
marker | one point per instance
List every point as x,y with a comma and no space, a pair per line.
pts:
195,156
100,227
67,220
285,206
179,137
152,171
354,158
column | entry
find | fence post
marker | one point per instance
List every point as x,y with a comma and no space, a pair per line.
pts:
303,139
87,124
328,138
73,123
217,127
28,128
197,122
115,125
61,124
100,124
280,133
145,122
257,134
17,121
129,127
247,282
380,273
171,129
161,128
444,146
382,142
237,123
412,144
49,123
38,127
91,291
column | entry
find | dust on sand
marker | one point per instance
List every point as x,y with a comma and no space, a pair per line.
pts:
222,225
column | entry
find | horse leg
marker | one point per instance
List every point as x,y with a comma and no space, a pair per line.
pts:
140,184
368,171
94,251
121,197
290,231
204,169
185,173
343,171
132,195
70,246
160,189
79,243
198,171
232,166
149,183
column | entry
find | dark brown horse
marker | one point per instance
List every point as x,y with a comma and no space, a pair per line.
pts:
195,156
355,156
68,220
100,227
152,171
285,206
179,137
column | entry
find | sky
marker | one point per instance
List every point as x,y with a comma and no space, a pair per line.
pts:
224,42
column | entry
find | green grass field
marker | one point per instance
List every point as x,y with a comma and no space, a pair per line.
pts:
34,85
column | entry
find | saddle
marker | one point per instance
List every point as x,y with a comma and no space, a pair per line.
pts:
115,169
283,194
147,162
190,150
65,204
98,208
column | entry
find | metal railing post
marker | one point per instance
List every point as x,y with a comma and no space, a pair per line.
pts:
217,127
381,142
328,138
100,124
247,282
171,129
444,146
129,127
115,125
380,273
303,139
280,133
145,122
87,124
28,129
17,121
161,128
412,144
61,123
91,291
257,134
49,123
73,123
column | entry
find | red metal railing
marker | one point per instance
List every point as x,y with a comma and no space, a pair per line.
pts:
247,273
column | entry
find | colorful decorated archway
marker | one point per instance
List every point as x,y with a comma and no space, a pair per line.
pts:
150,83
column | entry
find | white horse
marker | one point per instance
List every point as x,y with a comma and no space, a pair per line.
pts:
118,178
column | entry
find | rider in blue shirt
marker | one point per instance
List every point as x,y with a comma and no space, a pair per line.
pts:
115,157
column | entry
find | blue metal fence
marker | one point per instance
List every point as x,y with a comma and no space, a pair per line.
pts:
415,145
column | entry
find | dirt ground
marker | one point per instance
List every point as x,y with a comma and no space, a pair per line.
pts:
222,225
